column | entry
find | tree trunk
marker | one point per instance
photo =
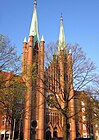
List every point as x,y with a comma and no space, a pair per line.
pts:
66,128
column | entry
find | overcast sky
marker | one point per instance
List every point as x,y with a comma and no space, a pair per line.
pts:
80,19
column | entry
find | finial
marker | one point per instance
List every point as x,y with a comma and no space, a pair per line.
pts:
61,18
70,52
25,40
42,39
35,2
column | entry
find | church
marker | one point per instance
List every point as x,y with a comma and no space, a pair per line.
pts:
48,89
49,121
51,108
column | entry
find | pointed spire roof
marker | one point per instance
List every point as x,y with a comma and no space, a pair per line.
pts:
70,52
34,25
25,40
42,39
62,42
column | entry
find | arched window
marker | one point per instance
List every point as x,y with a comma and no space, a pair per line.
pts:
48,134
55,132
3,121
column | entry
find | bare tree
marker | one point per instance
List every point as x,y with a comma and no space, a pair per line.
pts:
65,76
11,85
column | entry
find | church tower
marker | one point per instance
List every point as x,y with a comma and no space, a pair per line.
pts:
60,81
60,91
66,79
33,75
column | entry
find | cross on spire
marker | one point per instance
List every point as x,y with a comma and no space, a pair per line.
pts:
35,2
61,18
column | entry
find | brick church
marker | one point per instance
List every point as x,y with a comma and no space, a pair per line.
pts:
43,118
49,120
49,94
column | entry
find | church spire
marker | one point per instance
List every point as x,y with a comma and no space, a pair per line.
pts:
34,25
61,43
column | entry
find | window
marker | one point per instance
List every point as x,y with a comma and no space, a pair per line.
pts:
84,135
3,121
18,110
8,122
82,103
84,118
84,127
83,109
20,101
96,125
55,132
97,133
